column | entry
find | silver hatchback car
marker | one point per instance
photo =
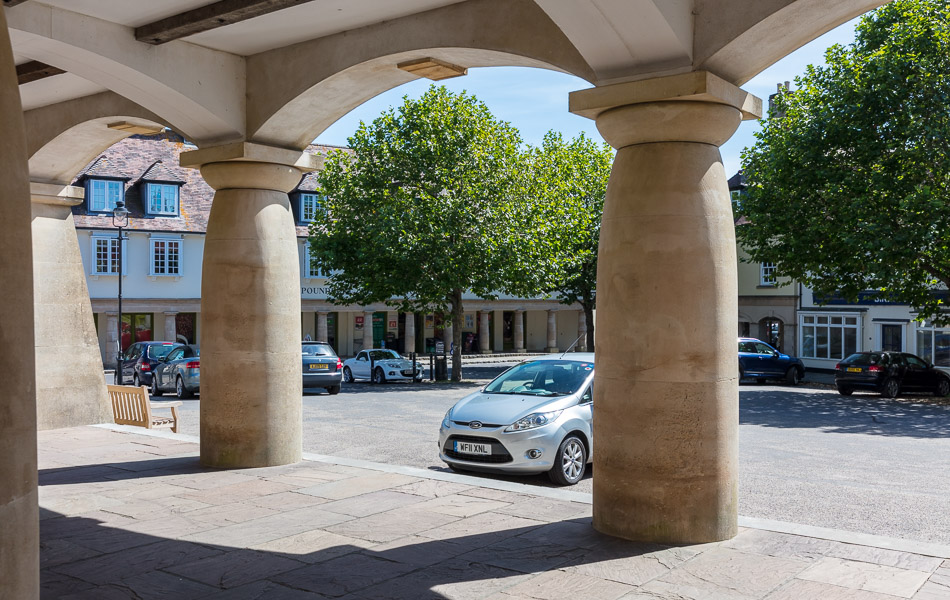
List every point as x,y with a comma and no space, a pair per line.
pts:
533,418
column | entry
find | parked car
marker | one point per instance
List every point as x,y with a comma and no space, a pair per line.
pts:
140,359
179,370
761,361
533,418
321,367
381,365
889,374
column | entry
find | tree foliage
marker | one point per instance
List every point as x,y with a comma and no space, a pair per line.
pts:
429,205
849,179
568,180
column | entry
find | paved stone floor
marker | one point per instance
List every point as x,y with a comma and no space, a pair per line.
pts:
127,513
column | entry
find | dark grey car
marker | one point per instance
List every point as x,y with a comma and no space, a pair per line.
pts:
178,371
322,368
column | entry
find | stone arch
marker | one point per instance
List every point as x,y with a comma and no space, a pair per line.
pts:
771,330
63,138
295,93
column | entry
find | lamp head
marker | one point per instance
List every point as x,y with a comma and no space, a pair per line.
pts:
120,214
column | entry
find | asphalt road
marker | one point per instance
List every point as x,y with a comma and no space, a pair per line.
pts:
806,454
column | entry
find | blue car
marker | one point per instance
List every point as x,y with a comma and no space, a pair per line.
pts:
760,361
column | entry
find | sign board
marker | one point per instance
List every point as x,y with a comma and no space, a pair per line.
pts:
440,347
393,324
358,320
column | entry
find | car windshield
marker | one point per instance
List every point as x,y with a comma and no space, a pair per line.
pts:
542,378
384,354
317,350
160,350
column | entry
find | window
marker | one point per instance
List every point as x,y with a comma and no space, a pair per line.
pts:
767,273
933,344
829,336
311,205
105,255
162,199
309,270
136,327
165,256
104,193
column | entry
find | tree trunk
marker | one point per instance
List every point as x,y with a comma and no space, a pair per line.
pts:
457,312
589,315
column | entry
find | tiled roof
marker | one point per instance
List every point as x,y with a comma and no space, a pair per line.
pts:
155,158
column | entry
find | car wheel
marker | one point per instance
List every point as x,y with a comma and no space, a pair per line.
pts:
333,390
845,391
155,390
136,381
180,390
418,379
379,376
347,375
943,387
891,388
741,373
760,380
570,462
792,376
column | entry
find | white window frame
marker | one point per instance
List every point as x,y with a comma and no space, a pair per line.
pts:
310,206
828,321
103,194
879,333
155,240
165,206
308,271
932,332
767,274
112,242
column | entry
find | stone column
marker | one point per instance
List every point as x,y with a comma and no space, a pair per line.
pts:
19,508
483,334
171,330
581,331
112,338
666,389
65,329
552,332
323,334
519,331
410,333
250,307
367,330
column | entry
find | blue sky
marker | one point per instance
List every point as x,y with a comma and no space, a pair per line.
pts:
535,100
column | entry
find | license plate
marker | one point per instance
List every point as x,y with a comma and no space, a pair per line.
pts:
854,369
318,367
472,448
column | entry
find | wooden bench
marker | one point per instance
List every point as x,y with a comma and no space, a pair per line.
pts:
131,406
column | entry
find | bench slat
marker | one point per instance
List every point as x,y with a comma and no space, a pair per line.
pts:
131,406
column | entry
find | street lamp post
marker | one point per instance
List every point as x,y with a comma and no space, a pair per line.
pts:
120,218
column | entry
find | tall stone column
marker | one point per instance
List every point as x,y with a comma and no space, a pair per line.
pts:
367,329
19,508
552,331
666,394
112,338
171,329
483,334
410,333
519,331
323,333
250,307
65,330
581,331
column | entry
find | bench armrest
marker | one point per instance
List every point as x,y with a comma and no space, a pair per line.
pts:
166,404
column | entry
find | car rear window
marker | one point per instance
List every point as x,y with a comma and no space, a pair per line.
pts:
160,350
865,359
318,350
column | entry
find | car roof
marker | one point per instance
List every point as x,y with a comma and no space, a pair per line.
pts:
314,342
577,356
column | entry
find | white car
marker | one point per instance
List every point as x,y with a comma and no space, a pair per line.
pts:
381,365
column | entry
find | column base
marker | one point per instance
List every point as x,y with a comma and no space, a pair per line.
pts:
520,351
484,351
552,350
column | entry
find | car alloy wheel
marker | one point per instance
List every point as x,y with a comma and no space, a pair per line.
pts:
180,390
943,387
792,376
379,376
570,462
891,388
136,381
155,390
347,375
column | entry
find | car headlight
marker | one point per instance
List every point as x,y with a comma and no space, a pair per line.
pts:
534,420
394,365
446,420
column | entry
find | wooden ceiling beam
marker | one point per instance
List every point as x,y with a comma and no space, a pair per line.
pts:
206,18
35,70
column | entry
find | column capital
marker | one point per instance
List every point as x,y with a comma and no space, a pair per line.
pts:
245,165
56,194
170,313
696,107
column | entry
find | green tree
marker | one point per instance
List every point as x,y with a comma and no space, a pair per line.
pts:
849,179
568,180
428,206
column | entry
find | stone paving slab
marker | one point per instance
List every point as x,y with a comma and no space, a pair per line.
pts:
129,513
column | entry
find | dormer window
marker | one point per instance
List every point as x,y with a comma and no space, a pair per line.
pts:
104,193
311,205
162,199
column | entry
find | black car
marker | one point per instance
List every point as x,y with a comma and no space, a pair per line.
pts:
140,360
889,374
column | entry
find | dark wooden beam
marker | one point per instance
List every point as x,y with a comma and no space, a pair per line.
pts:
34,70
206,18
13,2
